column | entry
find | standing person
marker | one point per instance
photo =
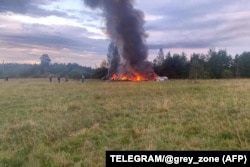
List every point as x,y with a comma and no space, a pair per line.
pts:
83,78
66,78
58,78
50,79
7,78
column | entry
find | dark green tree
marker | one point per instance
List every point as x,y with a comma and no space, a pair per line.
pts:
244,64
101,72
235,67
160,58
180,66
196,69
45,62
218,62
174,66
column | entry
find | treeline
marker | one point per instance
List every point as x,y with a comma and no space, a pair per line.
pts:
215,64
71,70
46,69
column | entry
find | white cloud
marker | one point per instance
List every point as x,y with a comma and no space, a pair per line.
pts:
153,17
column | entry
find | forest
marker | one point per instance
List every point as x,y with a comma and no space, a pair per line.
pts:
213,65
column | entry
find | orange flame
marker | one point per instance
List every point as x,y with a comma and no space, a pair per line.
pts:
135,78
114,77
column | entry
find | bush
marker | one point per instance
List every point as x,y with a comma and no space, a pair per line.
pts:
227,74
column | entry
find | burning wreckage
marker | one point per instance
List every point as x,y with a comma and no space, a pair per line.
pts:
136,78
124,26
131,75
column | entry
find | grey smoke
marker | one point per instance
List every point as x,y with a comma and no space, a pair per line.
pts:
124,26
113,59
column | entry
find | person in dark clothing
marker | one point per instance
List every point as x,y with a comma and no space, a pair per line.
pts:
82,79
50,79
58,79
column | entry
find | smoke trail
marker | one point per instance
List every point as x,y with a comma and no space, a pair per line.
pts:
125,27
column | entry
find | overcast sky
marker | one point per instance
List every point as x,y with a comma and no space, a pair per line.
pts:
69,32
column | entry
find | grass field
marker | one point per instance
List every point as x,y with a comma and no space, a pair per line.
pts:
73,123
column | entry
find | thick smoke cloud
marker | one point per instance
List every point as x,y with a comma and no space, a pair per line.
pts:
124,26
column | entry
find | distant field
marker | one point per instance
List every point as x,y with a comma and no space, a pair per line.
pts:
74,123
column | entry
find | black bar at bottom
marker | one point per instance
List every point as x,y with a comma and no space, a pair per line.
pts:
179,158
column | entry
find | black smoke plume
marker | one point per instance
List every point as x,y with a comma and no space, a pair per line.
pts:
113,59
124,26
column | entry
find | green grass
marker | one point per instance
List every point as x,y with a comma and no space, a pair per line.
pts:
73,123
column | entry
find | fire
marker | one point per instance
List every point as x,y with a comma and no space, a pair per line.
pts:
134,77
114,77
124,78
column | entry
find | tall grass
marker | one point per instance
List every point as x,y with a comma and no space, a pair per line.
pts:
73,123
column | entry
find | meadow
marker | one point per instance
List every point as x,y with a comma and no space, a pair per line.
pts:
74,123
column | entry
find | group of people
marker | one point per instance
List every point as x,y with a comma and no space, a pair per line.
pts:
58,79
66,79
